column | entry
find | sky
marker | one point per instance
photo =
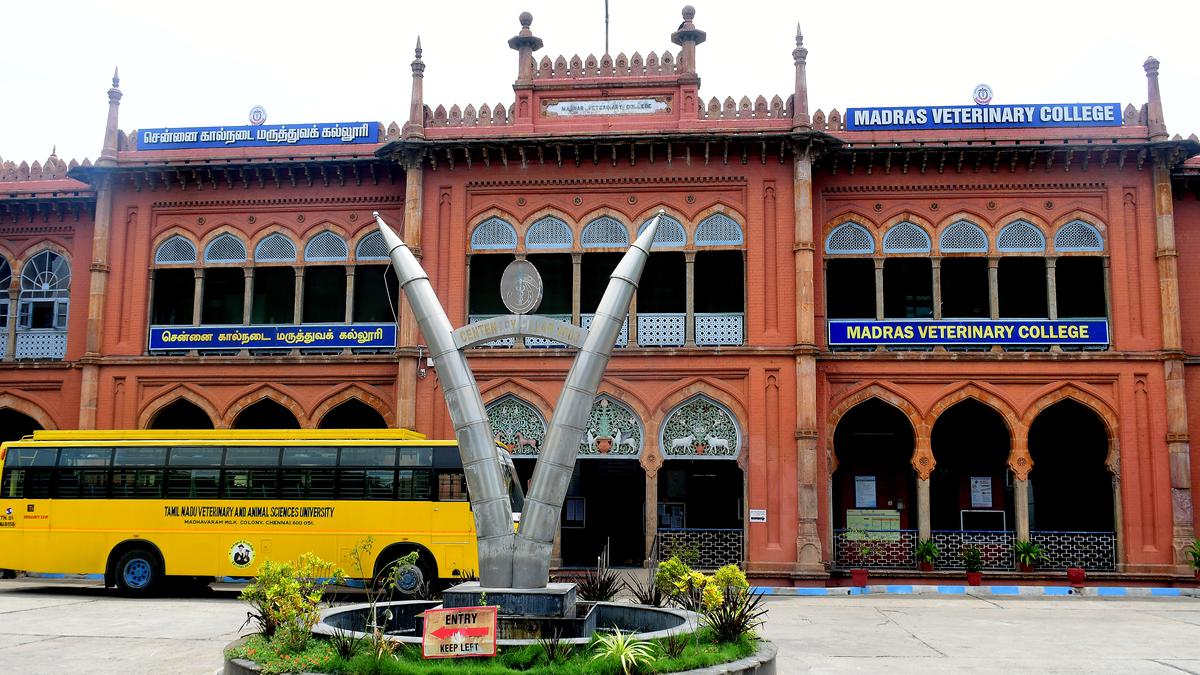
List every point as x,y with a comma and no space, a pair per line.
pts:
207,64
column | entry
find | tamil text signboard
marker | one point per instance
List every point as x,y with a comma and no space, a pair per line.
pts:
459,632
261,136
963,332
984,116
340,336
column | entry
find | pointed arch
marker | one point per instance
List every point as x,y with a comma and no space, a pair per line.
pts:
29,407
175,247
221,231
991,399
181,391
493,233
255,395
1079,232
963,234
1018,232
357,392
689,389
852,216
1107,414
271,245
518,424
34,249
328,244
605,228
922,460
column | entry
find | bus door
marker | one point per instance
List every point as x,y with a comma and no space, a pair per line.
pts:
28,473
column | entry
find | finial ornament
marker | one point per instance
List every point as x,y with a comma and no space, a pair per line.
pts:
689,12
116,78
799,36
417,51
1151,65
526,20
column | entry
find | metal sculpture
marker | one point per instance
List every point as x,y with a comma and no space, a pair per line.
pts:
521,560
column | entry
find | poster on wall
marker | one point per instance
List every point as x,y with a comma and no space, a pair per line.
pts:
864,492
872,524
981,492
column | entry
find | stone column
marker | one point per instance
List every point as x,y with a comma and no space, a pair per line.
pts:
408,333
689,319
935,265
1051,289
197,295
1021,507
576,288
247,300
633,331
349,316
298,303
809,550
651,514
879,315
14,297
924,531
994,287
1178,443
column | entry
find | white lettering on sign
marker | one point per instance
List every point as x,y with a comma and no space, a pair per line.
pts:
617,106
758,515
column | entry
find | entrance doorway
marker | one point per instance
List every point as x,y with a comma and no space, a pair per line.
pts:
1070,487
873,443
15,425
266,414
605,504
352,414
970,488
181,414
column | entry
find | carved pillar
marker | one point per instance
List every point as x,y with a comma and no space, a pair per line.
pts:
924,531
407,332
923,462
247,295
935,265
1021,507
576,287
809,549
650,524
993,287
879,315
1020,463
1178,445
1051,289
14,297
689,319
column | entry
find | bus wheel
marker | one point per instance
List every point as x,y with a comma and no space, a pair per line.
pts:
402,579
138,572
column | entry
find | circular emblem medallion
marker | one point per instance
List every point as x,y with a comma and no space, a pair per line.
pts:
983,94
241,554
521,287
258,115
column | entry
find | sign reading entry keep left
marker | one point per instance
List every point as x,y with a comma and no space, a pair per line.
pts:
459,632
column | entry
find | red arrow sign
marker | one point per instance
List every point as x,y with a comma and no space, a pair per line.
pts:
445,632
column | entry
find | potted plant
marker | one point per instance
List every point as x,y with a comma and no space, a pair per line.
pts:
927,553
1193,552
973,561
862,548
1075,575
1028,554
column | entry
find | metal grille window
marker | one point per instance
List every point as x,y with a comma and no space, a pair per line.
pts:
549,232
670,232
275,248
906,238
1021,236
849,238
963,237
326,246
1078,236
494,234
175,251
371,247
225,249
719,230
604,232
5,282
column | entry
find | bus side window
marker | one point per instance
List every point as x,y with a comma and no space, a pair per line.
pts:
13,485
413,485
27,483
381,484
250,483
136,474
452,486
308,473
192,483
82,473
351,483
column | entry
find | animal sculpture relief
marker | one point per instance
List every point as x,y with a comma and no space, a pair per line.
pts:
591,440
530,442
684,443
713,443
622,439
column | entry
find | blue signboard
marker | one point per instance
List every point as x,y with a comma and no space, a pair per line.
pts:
956,332
984,116
363,335
265,135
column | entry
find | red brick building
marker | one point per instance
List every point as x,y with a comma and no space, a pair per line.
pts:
729,421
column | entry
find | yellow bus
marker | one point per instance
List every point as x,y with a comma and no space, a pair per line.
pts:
139,506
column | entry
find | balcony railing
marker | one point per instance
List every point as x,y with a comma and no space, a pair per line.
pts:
896,549
720,329
661,330
701,548
622,337
41,344
3,343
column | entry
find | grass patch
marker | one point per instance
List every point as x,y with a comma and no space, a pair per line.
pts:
318,656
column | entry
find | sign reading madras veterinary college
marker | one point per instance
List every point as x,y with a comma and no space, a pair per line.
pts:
864,332
1011,116
459,632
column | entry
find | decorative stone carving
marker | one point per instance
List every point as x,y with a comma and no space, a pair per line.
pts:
517,425
612,429
700,427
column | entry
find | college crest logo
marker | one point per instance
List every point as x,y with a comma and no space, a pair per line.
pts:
241,554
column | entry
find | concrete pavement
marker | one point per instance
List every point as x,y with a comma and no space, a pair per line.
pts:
64,626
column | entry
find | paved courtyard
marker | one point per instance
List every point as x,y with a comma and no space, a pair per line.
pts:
76,627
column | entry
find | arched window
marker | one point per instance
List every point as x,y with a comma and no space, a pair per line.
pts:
549,232
326,246
719,230
43,304
494,234
963,237
275,248
670,232
1078,236
1021,237
517,424
5,282
371,247
849,238
225,249
604,232
700,428
175,251
906,237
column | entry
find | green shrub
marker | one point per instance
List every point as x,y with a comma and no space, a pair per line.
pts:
669,573
632,653
1193,552
928,551
1028,553
285,598
972,558
736,616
